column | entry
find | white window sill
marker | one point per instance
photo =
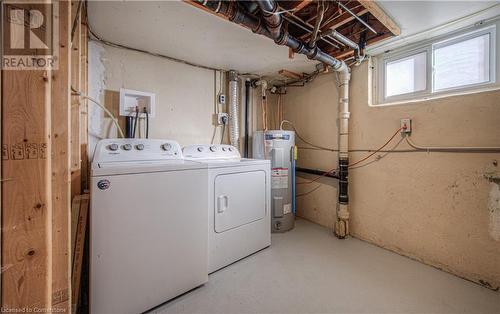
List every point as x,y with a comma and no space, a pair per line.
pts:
434,97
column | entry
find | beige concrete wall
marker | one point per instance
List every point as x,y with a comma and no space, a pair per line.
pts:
313,111
185,95
434,207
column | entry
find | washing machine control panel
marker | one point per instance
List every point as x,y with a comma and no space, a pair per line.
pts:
136,149
217,151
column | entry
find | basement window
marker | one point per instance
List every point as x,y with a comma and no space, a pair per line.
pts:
457,63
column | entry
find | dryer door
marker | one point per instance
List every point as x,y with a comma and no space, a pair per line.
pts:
240,198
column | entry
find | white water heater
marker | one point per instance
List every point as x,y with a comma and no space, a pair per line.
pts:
278,146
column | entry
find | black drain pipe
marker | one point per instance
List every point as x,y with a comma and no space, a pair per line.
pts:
129,126
318,172
343,183
247,111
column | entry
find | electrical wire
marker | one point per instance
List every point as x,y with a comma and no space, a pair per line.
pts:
135,121
113,44
147,122
355,163
377,150
302,138
115,121
222,135
308,192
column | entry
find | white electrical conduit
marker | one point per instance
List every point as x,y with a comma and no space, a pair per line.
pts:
115,121
450,148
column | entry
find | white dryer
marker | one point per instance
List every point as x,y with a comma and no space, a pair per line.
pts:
148,225
238,203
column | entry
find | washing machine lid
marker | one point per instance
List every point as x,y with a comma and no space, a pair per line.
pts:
144,166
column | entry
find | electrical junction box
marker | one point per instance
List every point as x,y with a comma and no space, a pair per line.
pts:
406,126
220,117
130,99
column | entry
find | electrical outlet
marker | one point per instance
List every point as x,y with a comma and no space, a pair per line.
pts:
406,126
222,99
220,117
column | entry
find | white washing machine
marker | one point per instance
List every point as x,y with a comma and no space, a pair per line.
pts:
148,225
239,194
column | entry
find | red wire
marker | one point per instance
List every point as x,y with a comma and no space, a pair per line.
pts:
355,163
376,151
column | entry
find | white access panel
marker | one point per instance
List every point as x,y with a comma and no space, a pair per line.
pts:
240,198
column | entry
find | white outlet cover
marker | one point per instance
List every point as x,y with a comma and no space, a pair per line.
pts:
130,98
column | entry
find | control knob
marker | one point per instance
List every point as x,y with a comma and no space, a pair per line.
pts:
213,148
127,146
200,149
113,147
166,146
139,146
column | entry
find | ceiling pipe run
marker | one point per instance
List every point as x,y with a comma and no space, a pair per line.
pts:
270,26
338,36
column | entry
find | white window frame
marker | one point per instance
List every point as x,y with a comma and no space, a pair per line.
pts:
428,47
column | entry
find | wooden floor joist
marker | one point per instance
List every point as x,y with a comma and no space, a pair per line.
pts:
290,74
380,15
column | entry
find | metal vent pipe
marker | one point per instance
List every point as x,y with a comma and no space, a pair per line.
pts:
234,123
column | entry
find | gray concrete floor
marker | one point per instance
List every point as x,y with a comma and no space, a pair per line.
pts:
308,270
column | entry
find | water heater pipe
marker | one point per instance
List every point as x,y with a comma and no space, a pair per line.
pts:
234,125
342,224
263,101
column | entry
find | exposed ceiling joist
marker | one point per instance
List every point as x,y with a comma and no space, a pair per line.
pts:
351,19
302,4
290,74
380,15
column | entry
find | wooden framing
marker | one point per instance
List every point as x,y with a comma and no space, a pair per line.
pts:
61,188
42,139
302,4
290,74
26,189
380,15
76,77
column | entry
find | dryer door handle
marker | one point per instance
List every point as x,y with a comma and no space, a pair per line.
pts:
222,203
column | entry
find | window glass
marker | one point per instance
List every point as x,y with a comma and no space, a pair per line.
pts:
462,63
406,75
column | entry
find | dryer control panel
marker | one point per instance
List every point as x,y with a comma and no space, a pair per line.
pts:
129,149
217,151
